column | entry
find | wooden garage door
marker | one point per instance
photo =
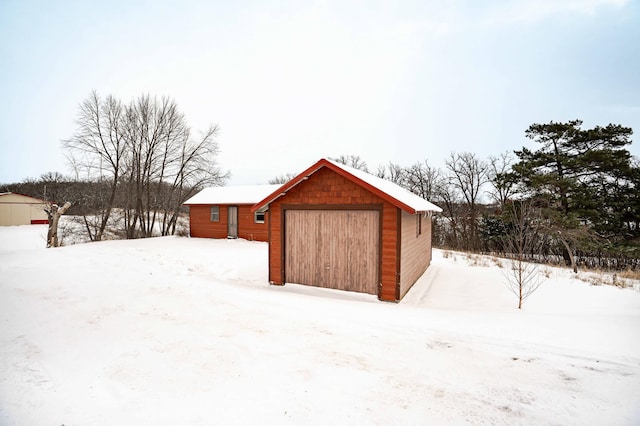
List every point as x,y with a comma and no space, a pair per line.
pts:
333,248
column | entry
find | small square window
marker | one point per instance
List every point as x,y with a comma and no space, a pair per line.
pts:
259,217
215,214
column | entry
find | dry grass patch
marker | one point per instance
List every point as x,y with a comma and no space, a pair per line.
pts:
450,254
604,278
476,260
497,262
623,279
630,274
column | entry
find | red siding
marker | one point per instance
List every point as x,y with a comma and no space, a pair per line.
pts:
201,226
326,187
248,229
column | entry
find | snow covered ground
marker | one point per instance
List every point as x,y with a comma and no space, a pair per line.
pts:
187,331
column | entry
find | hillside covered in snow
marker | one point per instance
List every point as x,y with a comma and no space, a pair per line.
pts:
178,330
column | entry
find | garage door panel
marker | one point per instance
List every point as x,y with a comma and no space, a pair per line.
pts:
298,268
333,248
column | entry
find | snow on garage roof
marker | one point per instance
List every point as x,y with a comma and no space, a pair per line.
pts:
395,191
385,189
241,194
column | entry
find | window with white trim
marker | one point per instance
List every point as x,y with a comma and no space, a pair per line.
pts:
215,213
258,217
418,225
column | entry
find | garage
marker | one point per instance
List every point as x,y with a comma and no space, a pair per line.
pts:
345,260
341,228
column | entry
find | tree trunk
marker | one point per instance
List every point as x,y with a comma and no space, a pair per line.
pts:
54,212
571,257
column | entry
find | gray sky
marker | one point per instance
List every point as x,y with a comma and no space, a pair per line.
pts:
290,82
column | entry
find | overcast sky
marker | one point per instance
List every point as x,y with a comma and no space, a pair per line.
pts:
290,82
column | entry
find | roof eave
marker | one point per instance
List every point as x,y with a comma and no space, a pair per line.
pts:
264,204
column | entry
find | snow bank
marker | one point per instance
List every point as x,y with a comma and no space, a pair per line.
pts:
24,237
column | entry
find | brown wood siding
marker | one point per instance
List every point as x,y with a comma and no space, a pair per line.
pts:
326,187
416,251
200,224
333,249
276,254
389,252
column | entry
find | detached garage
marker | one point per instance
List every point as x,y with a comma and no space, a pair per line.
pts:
337,227
18,209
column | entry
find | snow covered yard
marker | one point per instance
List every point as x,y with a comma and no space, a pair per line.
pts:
187,331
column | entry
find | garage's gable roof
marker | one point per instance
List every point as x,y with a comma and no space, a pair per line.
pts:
241,194
387,190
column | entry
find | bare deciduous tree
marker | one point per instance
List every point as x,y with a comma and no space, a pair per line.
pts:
448,198
502,180
96,152
282,179
146,154
421,179
392,172
522,244
352,161
468,174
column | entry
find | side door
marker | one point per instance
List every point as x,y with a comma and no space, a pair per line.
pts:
232,222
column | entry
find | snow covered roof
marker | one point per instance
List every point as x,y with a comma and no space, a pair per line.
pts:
387,190
241,194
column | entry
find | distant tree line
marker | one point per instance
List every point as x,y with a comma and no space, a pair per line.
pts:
580,190
577,194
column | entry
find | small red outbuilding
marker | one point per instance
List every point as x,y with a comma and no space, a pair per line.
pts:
225,212
338,227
